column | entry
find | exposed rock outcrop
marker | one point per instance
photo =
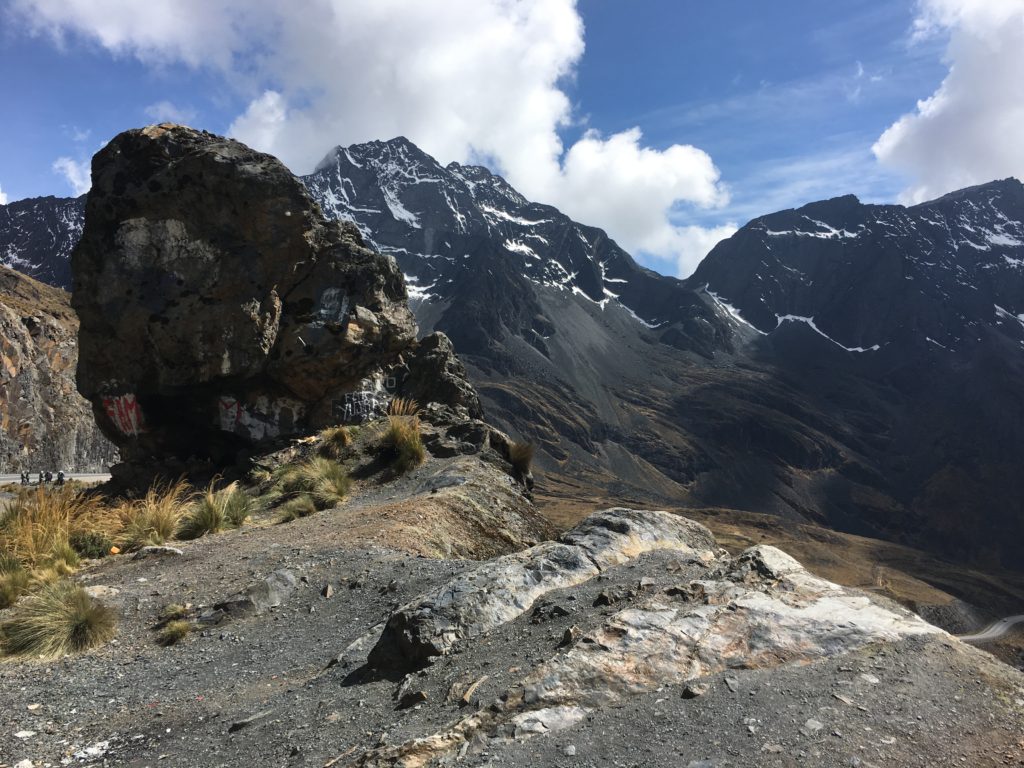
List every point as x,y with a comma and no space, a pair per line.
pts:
44,423
218,307
759,610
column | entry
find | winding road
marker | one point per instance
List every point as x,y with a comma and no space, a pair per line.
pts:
993,631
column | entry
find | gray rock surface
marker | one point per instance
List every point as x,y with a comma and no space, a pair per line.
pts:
500,590
45,425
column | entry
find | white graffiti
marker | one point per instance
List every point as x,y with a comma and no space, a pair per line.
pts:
259,420
333,307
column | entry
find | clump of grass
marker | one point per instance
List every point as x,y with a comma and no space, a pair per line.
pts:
63,559
520,455
173,612
326,482
401,436
61,618
12,586
260,476
14,580
216,511
154,519
173,632
37,526
333,441
300,506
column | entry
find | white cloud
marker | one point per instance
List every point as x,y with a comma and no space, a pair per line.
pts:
77,174
967,132
463,79
168,112
596,172
3,197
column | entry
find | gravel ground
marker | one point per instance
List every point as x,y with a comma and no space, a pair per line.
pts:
258,690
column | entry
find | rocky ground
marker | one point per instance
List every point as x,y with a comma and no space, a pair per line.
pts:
633,641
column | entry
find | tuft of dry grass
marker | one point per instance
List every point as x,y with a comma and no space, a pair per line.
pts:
155,518
216,511
60,618
403,406
520,455
300,506
14,580
173,612
173,632
401,435
326,482
333,441
36,528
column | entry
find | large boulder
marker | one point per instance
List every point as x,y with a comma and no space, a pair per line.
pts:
218,307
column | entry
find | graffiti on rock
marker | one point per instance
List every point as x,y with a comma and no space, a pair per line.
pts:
126,414
333,307
364,405
260,419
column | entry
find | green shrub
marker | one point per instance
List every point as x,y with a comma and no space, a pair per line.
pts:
9,563
90,544
402,442
60,618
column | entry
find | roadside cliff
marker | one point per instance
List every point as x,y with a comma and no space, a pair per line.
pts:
44,423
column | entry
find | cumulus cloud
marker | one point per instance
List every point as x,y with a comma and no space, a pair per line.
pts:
3,197
77,174
168,112
463,79
967,132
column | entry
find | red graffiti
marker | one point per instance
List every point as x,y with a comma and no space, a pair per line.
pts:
126,413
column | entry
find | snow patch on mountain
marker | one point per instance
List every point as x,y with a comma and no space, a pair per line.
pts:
809,322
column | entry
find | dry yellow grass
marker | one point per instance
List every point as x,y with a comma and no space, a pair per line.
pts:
37,527
401,435
61,618
333,441
156,517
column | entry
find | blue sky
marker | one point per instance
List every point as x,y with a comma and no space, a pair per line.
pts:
770,105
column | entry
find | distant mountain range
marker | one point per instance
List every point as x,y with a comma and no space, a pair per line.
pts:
854,365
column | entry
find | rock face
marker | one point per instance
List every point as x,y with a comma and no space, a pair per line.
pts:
44,423
218,307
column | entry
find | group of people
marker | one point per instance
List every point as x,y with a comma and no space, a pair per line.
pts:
44,477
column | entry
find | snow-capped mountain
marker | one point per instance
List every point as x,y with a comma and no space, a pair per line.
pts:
446,224
866,277
38,234
855,365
